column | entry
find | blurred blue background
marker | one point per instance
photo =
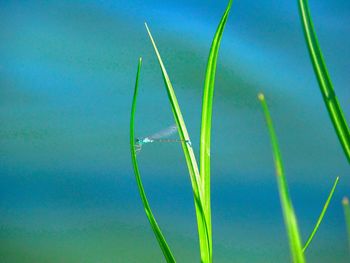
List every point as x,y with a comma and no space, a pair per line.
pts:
67,72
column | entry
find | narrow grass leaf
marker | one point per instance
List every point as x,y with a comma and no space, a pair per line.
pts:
325,207
190,160
346,207
207,108
330,99
286,203
156,230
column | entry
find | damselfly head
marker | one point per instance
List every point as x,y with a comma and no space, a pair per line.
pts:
138,147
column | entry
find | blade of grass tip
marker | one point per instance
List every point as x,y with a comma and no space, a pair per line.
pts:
156,230
325,207
330,99
207,109
286,203
346,207
190,160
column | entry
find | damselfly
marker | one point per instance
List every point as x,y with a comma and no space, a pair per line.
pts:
160,136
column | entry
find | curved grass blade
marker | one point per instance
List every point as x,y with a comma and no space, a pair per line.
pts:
346,207
207,109
321,215
334,109
157,232
190,160
286,203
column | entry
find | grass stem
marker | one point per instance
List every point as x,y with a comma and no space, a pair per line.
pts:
156,229
346,207
286,202
330,99
325,207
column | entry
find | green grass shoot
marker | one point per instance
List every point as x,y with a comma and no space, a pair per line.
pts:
158,233
200,180
286,202
197,186
346,207
321,215
331,101
207,109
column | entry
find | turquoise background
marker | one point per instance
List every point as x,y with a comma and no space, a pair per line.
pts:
67,73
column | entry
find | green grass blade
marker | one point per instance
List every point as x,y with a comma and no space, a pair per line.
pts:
158,233
286,203
190,160
346,207
207,106
335,112
321,215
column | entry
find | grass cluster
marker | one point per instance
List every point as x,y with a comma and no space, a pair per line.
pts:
200,175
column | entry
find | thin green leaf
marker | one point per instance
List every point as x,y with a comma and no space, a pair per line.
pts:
207,109
190,160
321,215
156,230
330,99
346,207
286,203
